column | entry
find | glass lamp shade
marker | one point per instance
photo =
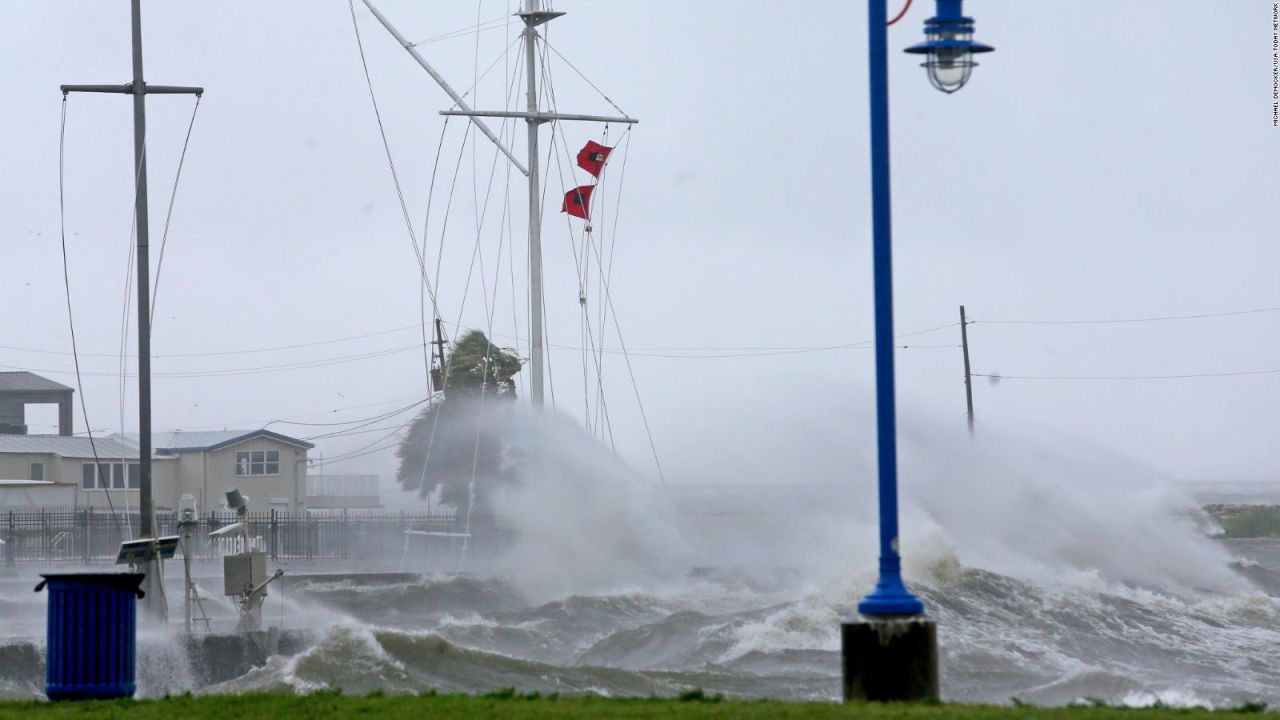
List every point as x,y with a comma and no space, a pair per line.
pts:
949,68
949,48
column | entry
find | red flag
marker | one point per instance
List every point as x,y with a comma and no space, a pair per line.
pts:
577,202
592,157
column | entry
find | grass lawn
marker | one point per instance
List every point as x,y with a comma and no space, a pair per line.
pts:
511,706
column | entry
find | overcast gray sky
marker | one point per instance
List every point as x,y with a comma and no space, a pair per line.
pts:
1115,160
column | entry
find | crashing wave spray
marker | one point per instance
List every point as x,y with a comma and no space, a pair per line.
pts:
584,522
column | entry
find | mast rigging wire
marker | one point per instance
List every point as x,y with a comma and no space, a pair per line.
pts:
168,216
481,213
395,175
71,322
584,78
493,24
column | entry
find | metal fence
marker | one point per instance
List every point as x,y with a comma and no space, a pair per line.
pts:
86,536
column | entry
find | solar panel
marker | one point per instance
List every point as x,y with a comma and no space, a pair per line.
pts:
137,552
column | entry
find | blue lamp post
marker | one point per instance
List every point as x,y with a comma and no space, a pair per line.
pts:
949,49
891,653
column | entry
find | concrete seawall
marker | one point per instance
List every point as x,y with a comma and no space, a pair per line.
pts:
218,657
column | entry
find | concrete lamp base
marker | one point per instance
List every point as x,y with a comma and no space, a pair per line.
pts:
890,659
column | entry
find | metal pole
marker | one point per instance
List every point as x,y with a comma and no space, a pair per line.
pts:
146,507
144,280
186,575
890,596
535,211
968,378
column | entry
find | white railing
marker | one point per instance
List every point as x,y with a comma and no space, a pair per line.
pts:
342,485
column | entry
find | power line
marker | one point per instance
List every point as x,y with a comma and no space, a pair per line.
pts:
353,432
791,351
303,364
1164,318
374,421
220,353
263,423
1184,376
362,451
262,369
345,422
357,454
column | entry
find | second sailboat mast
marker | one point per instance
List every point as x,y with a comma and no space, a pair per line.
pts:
537,345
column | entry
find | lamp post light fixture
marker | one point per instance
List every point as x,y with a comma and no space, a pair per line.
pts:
891,653
949,47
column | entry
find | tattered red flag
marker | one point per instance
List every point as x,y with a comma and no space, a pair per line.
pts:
577,202
593,156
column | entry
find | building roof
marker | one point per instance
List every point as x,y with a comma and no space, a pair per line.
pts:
180,441
67,447
23,381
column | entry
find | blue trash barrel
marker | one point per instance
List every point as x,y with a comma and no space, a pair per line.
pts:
92,642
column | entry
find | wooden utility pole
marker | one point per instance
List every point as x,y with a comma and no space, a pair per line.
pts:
440,370
968,377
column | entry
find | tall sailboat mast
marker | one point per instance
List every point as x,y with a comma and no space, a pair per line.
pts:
139,90
537,344
533,16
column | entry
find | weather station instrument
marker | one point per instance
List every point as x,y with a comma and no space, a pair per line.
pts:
244,574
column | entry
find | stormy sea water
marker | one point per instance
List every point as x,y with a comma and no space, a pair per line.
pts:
1055,575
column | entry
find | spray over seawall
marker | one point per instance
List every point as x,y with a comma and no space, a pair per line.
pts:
584,521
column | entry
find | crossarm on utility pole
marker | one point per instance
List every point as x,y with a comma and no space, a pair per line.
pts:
444,84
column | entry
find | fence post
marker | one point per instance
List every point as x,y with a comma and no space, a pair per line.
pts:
44,530
275,536
11,543
88,534
346,534
200,537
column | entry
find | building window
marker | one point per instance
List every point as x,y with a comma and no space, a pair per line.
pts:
258,462
110,476
37,471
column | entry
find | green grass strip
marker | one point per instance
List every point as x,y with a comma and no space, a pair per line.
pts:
510,705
